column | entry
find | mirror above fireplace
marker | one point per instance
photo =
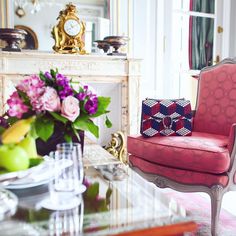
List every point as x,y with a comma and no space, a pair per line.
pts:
39,17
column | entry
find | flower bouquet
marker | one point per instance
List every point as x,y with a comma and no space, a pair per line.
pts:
58,108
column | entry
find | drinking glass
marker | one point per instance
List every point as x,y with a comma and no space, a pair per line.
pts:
64,187
75,149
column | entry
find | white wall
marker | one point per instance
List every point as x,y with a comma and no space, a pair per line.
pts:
145,45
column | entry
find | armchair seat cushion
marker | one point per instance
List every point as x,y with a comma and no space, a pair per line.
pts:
178,175
201,152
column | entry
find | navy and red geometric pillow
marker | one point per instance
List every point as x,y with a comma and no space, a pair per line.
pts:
166,117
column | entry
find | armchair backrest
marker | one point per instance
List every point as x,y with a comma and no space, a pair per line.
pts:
216,100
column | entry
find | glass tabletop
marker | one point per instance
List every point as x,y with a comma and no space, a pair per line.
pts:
111,204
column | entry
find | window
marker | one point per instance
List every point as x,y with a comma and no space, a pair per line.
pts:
194,42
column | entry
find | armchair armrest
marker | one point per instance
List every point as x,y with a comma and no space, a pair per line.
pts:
232,138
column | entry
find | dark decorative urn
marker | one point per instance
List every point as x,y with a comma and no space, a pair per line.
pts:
13,37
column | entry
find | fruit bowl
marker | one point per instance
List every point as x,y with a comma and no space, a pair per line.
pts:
7,177
34,176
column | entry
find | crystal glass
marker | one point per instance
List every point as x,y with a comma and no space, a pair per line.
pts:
75,150
65,185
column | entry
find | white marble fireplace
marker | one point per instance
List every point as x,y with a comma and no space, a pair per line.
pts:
117,77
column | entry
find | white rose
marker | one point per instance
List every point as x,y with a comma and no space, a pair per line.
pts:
70,108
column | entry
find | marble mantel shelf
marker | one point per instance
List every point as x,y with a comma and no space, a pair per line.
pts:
90,68
93,64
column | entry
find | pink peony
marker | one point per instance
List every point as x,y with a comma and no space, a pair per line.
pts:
70,108
50,100
34,87
16,106
32,82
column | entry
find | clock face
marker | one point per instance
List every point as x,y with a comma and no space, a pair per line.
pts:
72,27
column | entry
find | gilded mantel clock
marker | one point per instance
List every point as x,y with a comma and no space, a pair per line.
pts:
68,33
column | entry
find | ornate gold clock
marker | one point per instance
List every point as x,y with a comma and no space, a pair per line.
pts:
68,33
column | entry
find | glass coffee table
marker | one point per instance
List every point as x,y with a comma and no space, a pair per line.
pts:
117,202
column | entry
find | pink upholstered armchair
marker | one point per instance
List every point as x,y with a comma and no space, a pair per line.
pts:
205,161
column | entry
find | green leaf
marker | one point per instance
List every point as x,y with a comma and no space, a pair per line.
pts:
108,123
79,122
103,103
101,205
44,127
93,190
59,117
11,120
84,123
93,129
1,130
41,76
53,72
108,195
68,138
35,161
75,132
33,132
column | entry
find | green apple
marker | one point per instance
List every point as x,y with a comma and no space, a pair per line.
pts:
13,158
29,145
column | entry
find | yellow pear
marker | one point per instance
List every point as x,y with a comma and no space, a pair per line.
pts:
16,132
29,145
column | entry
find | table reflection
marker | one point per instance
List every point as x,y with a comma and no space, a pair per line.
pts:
107,207
68,222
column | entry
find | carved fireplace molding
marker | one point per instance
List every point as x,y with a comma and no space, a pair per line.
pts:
87,68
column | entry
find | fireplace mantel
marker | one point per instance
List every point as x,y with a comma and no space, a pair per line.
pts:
92,69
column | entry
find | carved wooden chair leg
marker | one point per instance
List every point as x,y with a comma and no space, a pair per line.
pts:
216,200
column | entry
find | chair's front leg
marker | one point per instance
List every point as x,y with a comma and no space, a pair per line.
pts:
217,192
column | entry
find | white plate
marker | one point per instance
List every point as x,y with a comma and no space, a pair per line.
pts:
37,175
28,185
47,203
